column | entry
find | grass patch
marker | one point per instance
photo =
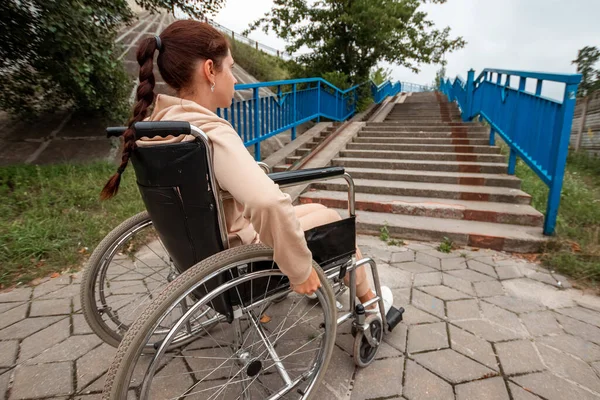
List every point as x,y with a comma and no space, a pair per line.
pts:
384,235
446,245
574,250
51,216
264,67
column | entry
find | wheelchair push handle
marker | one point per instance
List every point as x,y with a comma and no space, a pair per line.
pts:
153,128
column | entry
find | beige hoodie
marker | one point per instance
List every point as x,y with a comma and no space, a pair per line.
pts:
258,205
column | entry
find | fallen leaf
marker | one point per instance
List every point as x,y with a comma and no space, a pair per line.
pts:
54,275
265,319
83,250
35,282
575,247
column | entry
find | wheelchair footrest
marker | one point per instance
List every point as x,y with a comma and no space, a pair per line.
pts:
394,317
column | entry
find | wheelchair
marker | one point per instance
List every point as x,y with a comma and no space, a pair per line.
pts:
219,322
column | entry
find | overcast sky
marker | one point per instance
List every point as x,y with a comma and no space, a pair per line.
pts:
534,35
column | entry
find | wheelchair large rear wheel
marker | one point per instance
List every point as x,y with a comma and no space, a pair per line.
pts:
124,273
267,349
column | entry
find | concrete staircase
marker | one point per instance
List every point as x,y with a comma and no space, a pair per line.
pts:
303,151
426,175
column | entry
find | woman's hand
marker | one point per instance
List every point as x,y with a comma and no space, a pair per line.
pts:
310,285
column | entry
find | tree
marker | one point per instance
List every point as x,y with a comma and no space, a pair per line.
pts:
440,76
380,75
62,53
585,61
352,36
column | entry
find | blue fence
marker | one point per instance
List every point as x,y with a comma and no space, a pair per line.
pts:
415,87
290,103
537,129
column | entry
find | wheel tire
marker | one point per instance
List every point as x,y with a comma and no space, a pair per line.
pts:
118,375
363,352
90,274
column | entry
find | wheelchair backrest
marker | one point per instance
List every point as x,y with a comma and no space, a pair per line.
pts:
174,181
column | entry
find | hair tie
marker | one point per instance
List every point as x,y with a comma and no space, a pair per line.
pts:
158,43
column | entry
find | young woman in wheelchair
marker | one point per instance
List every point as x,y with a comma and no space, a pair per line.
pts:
264,346
194,59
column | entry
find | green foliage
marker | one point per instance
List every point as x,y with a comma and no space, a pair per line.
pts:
439,76
384,235
352,36
264,67
337,79
50,214
380,75
574,250
62,53
586,59
446,245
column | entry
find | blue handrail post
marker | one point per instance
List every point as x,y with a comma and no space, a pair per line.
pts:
564,124
492,137
467,112
336,104
319,101
256,126
512,161
294,113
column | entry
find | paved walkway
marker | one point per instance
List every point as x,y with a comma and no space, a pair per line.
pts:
478,325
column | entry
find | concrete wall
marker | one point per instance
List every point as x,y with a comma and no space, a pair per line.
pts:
590,134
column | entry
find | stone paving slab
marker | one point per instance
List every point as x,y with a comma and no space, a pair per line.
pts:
478,325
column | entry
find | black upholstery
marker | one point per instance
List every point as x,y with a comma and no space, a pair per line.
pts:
173,182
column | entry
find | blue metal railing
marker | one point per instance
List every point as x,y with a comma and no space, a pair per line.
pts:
384,90
537,129
415,87
261,117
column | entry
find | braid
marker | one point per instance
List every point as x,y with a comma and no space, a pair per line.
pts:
145,98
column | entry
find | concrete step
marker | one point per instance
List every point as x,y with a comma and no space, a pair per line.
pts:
421,116
412,120
422,165
421,140
281,168
416,115
442,148
422,155
425,128
302,151
502,213
453,123
453,178
292,159
440,134
432,190
502,237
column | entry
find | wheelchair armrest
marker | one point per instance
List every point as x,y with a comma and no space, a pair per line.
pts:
290,178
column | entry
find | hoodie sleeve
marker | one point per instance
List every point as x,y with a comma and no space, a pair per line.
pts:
269,209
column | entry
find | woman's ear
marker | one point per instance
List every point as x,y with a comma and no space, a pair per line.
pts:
209,71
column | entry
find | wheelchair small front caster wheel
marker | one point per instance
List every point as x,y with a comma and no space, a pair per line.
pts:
365,350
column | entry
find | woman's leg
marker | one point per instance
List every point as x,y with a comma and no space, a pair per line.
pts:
314,214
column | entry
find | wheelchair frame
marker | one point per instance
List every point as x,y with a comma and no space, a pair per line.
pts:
335,277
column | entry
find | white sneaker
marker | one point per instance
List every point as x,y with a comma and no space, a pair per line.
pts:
388,300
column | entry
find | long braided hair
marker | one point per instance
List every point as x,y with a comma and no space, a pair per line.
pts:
180,47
